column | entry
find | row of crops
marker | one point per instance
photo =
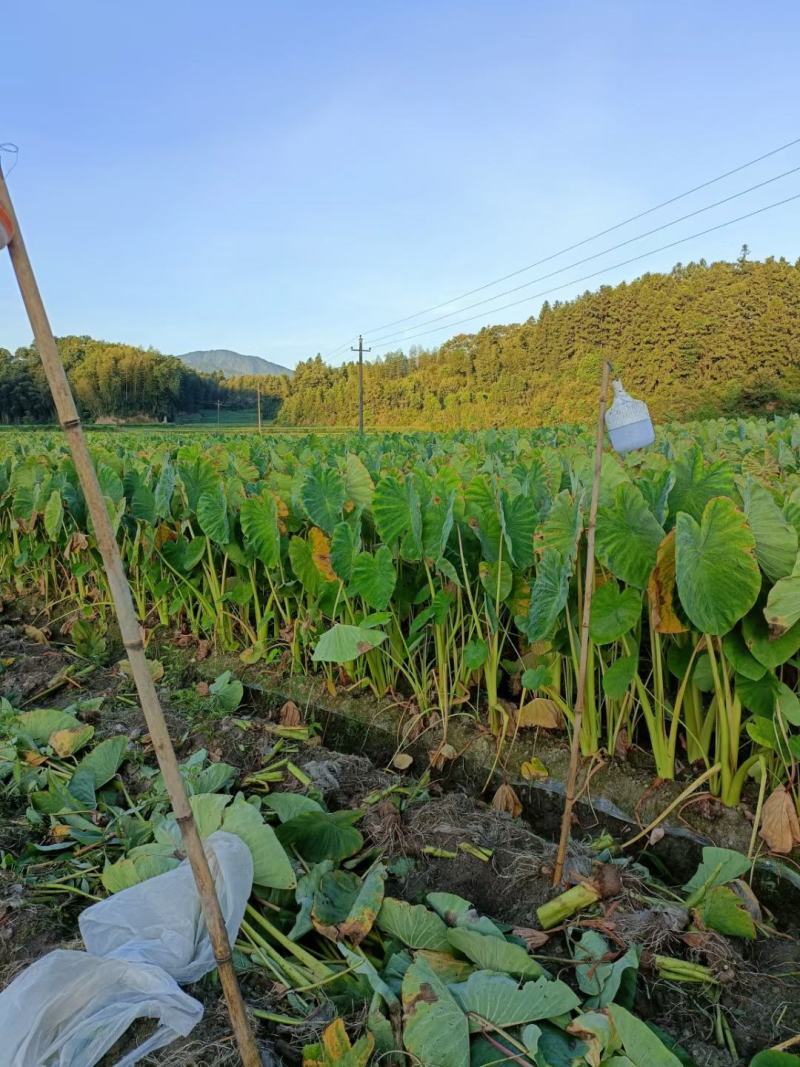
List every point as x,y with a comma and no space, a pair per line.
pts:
445,571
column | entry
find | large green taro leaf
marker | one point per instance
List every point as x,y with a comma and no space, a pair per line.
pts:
259,519
518,521
343,643
373,577
783,603
628,536
562,527
769,649
776,538
615,611
212,515
397,512
323,496
717,573
697,482
548,596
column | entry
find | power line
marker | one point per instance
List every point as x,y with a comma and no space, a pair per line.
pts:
613,266
577,244
598,255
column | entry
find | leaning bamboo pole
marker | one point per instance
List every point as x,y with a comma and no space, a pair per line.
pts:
583,662
130,631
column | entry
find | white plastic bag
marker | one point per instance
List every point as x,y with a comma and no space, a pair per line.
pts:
69,1008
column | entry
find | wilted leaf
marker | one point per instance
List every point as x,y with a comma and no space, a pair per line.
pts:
321,553
505,799
640,1043
722,910
343,643
290,714
780,827
402,761
533,770
494,954
41,723
500,1000
599,977
66,742
436,1030
661,589
413,924
540,712
35,634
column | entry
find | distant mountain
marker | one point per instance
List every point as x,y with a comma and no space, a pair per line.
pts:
231,363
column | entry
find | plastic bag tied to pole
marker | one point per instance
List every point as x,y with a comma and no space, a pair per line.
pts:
69,1008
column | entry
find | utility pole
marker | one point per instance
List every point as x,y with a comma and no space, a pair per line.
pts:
361,350
218,404
258,400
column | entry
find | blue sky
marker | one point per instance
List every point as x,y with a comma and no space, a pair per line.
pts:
275,177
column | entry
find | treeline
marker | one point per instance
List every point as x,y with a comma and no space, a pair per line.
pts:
701,340
112,380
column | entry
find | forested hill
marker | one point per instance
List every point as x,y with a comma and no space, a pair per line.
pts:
112,380
697,341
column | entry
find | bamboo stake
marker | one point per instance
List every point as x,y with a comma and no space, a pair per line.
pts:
588,589
131,634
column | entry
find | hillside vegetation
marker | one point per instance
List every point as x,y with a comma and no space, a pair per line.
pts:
111,380
701,340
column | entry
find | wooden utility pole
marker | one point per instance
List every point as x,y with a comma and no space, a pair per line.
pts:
130,631
218,405
361,350
258,401
583,663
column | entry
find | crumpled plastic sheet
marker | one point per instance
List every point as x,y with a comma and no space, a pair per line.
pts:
69,1008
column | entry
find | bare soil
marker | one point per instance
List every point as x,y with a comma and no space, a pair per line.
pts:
761,980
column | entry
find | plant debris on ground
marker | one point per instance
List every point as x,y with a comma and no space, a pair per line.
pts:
389,921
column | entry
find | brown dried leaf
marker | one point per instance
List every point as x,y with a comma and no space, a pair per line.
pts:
202,689
402,761
290,714
533,938
661,589
442,754
780,827
203,650
505,799
541,712
35,634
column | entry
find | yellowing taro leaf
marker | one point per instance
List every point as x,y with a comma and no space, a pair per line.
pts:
533,770
661,589
34,759
65,742
541,712
35,634
505,799
335,1048
780,827
321,553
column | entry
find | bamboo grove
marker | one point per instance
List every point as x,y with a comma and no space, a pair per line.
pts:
444,571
